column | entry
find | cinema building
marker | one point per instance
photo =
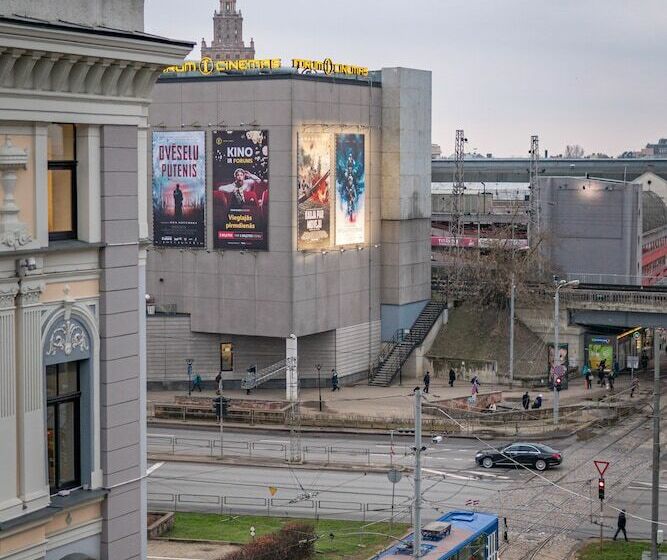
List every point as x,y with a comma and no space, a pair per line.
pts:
75,82
289,198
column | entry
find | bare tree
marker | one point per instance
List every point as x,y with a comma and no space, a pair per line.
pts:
574,151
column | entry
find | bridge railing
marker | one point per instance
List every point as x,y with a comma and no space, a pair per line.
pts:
653,300
638,280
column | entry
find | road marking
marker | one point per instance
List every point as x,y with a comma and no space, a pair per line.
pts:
270,441
150,470
169,558
448,475
498,476
645,485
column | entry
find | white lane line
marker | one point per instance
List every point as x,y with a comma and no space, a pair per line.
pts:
498,476
150,470
448,475
270,441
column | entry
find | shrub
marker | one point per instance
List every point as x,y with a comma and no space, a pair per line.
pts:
294,541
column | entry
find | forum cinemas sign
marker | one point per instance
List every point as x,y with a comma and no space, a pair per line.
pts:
207,66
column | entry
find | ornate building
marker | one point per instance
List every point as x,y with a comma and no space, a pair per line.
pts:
228,35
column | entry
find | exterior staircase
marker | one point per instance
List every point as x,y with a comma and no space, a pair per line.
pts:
395,353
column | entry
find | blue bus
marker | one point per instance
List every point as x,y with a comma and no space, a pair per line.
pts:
457,535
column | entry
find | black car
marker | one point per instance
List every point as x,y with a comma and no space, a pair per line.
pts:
525,454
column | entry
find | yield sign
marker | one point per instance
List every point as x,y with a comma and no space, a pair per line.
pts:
601,466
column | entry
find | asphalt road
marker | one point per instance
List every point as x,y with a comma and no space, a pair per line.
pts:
451,479
453,455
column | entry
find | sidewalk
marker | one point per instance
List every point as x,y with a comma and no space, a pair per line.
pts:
398,401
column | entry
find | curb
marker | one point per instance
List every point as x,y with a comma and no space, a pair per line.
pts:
247,462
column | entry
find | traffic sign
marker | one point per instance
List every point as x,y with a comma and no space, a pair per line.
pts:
633,362
394,476
601,466
636,335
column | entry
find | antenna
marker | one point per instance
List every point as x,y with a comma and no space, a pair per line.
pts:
534,208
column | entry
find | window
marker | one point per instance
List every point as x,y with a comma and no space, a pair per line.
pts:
63,425
226,356
62,181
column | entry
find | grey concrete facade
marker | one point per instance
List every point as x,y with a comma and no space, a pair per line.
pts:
333,297
592,226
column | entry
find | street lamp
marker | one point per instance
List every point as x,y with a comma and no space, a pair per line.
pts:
559,284
319,385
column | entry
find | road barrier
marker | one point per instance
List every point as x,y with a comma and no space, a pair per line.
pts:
313,508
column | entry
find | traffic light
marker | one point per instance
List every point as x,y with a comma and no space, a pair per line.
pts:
217,406
559,383
601,488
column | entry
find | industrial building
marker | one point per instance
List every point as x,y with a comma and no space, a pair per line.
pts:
302,208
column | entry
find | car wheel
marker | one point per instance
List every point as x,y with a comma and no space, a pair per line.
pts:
541,465
487,462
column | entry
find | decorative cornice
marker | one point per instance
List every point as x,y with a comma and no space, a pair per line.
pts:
31,292
8,295
68,336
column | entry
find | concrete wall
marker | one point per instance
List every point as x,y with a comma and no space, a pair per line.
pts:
117,14
593,226
280,291
406,188
123,529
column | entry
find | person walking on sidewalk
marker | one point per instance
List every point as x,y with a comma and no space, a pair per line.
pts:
634,386
334,380
452,377
525,401
621,525
586,371
427,381
196,384
601,367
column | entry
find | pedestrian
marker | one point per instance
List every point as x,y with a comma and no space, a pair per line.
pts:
611,380
586,372
525,401
334,380
475,386
621,525
634,386
218,383
538,402
197,383
452,377
601,367
427,381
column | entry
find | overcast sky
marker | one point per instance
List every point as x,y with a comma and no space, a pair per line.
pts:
589,72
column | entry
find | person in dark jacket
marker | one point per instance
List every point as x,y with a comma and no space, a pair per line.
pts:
452,377
621,525
427,381
334,380
525,400
538,402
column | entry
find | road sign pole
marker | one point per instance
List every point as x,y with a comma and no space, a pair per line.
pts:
417,538
655,490
601,520
221,427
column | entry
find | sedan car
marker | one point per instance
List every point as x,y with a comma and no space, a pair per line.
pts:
534,455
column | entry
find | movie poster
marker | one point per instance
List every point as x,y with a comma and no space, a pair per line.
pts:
350,189
179,189
562,363
241,189
313,191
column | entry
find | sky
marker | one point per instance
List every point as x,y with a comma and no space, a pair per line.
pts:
588,72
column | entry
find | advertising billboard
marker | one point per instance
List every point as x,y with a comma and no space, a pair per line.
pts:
314,196
599,352
179,189
350,189
241,189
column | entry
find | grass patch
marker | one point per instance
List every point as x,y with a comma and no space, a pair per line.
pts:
236,529
615,550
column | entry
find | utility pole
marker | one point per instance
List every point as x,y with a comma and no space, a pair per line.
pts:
417,539
512,296
655,490
221,411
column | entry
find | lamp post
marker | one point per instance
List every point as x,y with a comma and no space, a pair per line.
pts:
556,359
319,384
189,363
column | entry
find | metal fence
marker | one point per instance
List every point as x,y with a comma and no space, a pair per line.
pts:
283,507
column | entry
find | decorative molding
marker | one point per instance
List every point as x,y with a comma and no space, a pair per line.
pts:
69,335
31,292
13,233
8,296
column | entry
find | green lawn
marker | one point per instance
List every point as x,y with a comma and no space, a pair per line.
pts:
210,526
618,550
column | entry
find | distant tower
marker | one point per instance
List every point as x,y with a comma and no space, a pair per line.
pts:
227,41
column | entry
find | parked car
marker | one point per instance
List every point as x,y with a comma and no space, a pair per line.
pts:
534,455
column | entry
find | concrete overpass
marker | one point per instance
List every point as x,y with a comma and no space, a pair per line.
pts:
515,170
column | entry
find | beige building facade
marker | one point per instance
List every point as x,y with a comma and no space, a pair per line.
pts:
74,98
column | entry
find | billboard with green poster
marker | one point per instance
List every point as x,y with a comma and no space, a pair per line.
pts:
600,349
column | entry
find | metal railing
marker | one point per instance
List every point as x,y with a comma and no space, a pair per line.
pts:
284,507
254,379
